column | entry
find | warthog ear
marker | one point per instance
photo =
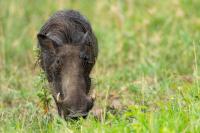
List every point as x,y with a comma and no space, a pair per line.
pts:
45,42
85,39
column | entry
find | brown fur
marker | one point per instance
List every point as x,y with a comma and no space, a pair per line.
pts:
68,53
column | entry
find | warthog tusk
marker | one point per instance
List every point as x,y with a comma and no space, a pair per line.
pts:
58,97
93,95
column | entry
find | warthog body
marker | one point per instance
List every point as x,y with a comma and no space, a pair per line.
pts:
68,53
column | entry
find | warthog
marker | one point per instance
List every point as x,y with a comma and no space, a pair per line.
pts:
68,51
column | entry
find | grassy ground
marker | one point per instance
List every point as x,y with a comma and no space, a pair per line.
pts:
146,77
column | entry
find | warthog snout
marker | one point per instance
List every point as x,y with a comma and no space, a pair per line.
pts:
70,110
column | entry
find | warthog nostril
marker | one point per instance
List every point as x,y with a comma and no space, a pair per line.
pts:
76,116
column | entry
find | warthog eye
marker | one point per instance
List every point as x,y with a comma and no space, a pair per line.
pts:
56,64
84,56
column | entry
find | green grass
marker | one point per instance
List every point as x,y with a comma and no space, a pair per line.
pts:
149,58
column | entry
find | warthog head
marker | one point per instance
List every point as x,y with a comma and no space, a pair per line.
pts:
68,53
